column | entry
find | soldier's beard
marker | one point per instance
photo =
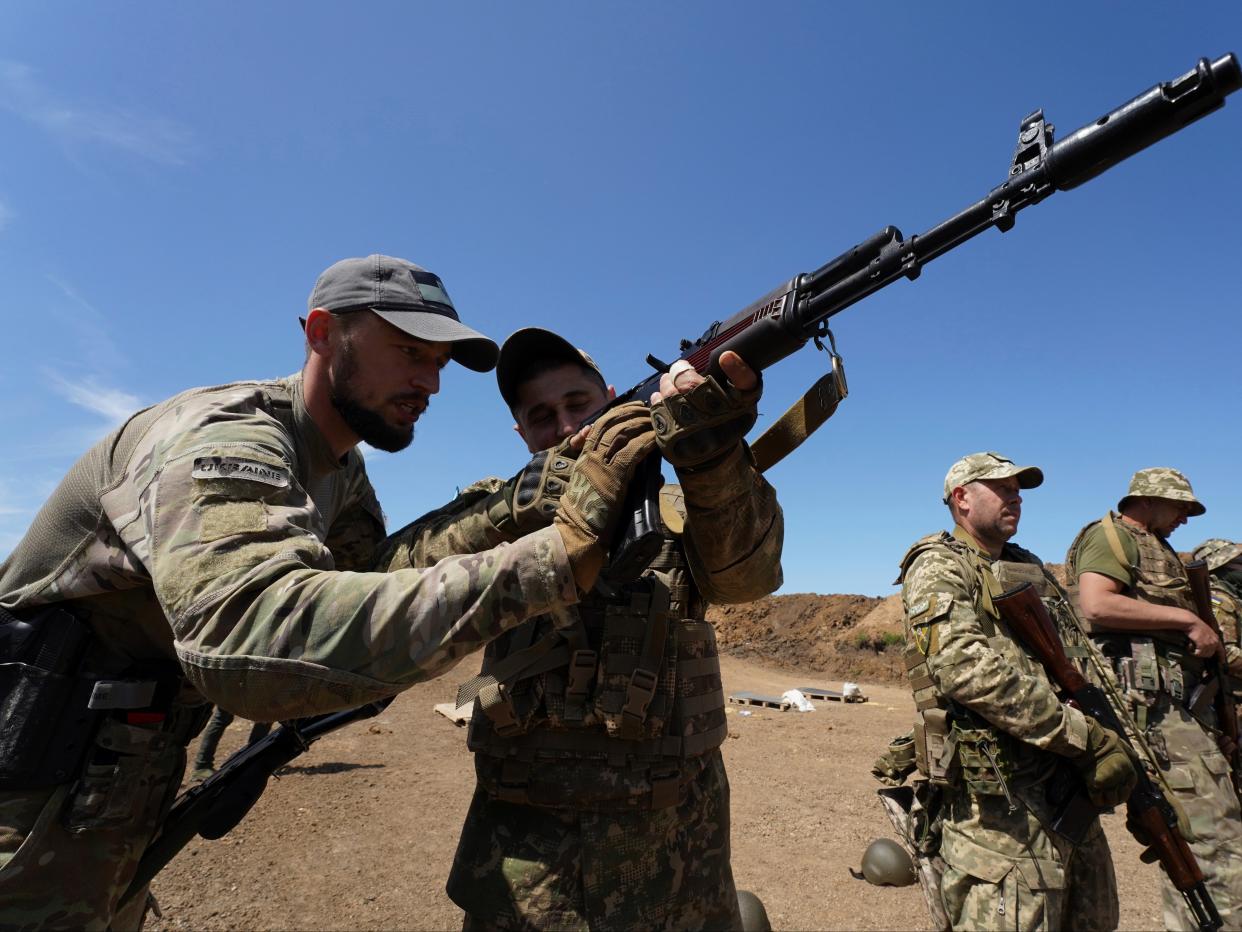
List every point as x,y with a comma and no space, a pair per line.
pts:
366,423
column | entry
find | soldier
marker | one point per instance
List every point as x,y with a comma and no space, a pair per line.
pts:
990,730
1224,562
1135,596
209,550
601,799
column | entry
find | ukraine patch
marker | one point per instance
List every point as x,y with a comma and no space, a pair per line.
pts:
235,467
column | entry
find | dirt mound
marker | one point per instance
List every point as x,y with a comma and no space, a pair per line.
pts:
854,637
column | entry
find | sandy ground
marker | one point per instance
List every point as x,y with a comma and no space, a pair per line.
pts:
360,832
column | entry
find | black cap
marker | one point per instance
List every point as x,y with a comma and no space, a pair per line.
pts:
408,297
531,343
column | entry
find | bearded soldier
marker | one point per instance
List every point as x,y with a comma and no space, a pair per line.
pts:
990,729
211,549
601,799
1135,596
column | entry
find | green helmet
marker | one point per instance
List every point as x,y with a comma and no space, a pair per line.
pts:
754,916
886,863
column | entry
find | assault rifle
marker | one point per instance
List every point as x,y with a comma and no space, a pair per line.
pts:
797,311
1148,809
215,806
1226,712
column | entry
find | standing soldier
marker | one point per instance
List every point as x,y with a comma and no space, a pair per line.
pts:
601,799
213,549
990,729
1224,562
1136,598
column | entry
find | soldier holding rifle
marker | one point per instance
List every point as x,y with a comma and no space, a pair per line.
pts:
1136,597
991,731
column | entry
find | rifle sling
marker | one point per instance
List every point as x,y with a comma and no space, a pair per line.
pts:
803,418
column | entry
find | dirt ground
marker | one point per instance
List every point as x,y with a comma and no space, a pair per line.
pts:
360,832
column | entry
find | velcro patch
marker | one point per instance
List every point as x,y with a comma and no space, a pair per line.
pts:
235,467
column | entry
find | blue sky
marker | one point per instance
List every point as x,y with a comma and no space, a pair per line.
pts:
175,176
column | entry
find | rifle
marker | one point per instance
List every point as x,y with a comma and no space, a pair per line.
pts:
1147,808
1226,713
215,806
797,311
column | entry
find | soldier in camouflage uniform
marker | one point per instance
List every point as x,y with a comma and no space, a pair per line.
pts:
1134,595
1224,561
602,800
213,549
990,730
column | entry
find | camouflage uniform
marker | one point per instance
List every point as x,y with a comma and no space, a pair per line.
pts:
593,808
1157,674
991,732
204,543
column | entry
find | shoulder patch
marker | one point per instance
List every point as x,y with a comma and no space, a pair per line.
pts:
236,467
931,609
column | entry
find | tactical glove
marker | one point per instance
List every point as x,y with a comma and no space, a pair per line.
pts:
590,508
538,488
1106,766
699,428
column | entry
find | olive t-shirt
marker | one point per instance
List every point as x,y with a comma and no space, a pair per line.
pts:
1096,556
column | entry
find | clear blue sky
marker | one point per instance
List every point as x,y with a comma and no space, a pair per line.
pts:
175,176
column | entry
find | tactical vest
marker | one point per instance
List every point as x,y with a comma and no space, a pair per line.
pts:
953,745
1156,668
621,697
1159,576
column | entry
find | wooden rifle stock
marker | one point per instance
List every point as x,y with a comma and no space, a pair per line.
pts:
1147,809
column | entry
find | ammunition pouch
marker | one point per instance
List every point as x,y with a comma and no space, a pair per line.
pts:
1158,672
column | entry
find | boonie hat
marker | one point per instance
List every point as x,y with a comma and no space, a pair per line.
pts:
532,343
1162,482
1217,552
978,466
408,297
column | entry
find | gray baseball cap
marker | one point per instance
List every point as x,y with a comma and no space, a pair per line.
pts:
976,466
530,344
408,297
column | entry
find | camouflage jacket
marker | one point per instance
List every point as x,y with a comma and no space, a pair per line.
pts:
963,658
724,541
216,528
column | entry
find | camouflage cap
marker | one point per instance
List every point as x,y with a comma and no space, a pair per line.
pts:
1216,552
1162,482
978,466
532,345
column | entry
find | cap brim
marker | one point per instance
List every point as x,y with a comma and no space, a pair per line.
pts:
469,347
1196,507
520,346
1030,477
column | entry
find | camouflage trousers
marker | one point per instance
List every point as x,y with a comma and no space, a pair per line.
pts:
1198,774
530,867
68,853
1005,870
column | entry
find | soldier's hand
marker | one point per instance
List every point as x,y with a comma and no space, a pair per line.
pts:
590,508
698,421
1106,766
538,488
1204,642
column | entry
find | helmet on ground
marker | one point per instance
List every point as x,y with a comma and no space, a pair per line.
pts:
754,916
886,863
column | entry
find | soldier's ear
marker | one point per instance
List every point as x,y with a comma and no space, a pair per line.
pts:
319,328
